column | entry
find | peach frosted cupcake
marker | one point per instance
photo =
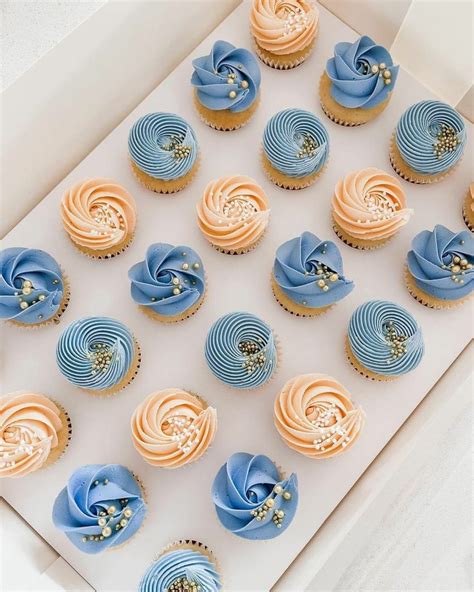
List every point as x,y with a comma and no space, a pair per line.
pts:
468,208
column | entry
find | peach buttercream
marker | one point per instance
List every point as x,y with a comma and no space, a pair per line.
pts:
315,416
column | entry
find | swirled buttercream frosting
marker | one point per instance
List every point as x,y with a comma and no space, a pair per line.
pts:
442,263
385,338
227,78
240,350
170,281
252,499
296,143
315,415
172,428
95,353
362,74
233,213
430,137
101,507
163,145
32,286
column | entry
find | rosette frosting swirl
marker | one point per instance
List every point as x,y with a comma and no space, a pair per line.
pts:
310,272
31,286
284,26
385,338
233,213
170,281
163,145
227,78
172,427
95,353
296,142
101,507
442,262
251,498
362,73
430,137
315,415
240,350
370,204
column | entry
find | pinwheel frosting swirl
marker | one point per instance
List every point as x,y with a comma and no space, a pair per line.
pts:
95,353
101,507
315,415
362,73
284,26
370,204
31,285
251,498
172,428
170,280
442,262
430,137
227,78
163,145
310,272
385,338
240,350
233,212
296,142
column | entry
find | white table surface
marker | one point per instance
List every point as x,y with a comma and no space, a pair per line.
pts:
308,345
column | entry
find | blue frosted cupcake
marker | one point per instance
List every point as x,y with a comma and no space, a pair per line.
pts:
226,86
428,142
308,276
98,355
358,82
295,148
241,350
101,507
170,284
252,499
384,340
33,289
163,152
440,267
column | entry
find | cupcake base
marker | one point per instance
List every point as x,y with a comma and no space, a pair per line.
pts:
467,212
175,318
225,120
64,437
354,362
292,307
431,301
284,62
286,182
105,253
163,185
358,243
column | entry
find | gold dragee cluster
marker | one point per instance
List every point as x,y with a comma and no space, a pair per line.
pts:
26,289
106,518
458,267
262,511
177,149
308,147
380,69
184,585
100,358
254,354
396,341
232,79
446,141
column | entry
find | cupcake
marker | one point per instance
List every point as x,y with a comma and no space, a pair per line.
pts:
183,566
100,508
226,86
33,289
384,340
368,208
241,351
170,284
468,208
358,82
308,277
284,32
428,142
315,415
99,216
163,152
253,499
295,148
440,267
233,214
98,354
172,428
34,432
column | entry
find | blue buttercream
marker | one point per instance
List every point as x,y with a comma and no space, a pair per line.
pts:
442,263
227,69
155,143
240,489
287,134
109,493
303,261
354,84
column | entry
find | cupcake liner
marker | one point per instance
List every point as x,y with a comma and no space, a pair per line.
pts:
243,250
284,62
114,251
163,186
225,120
362,245
365,371
430,301
286,182
293,308
467,213
64,437
187,314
